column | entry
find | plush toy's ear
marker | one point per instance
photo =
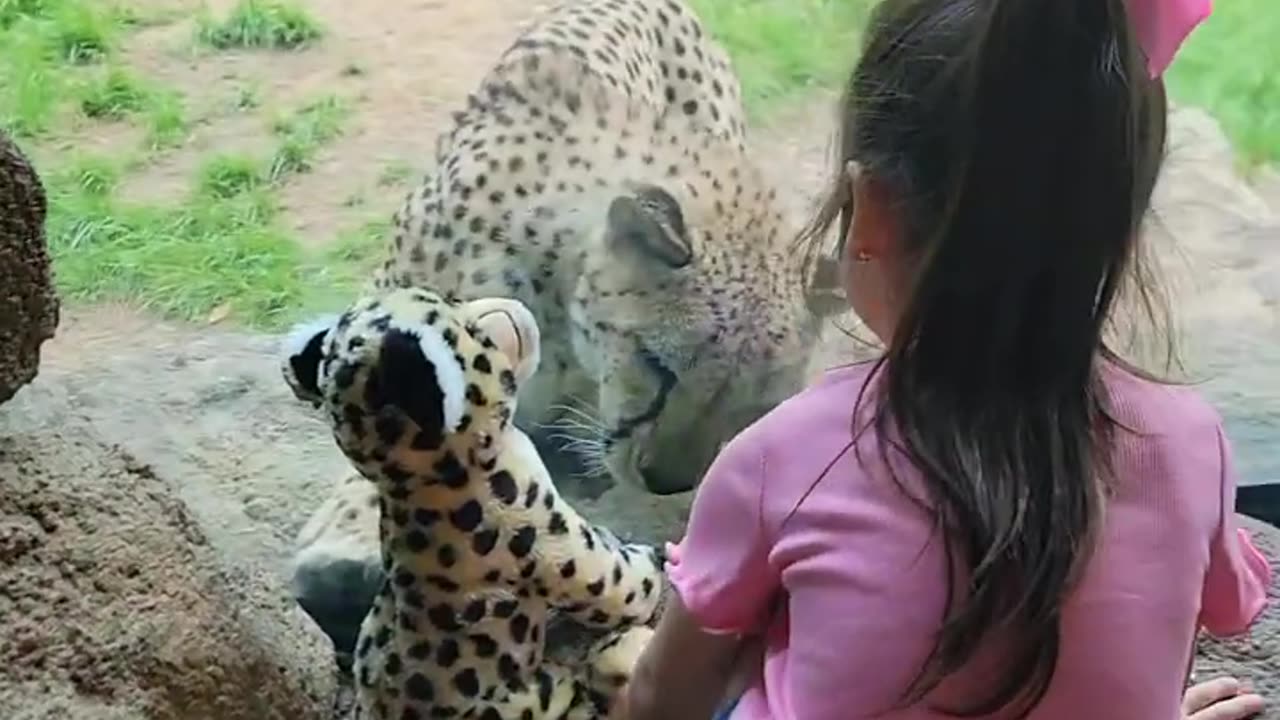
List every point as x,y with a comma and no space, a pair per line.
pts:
416,372
510,325
303,351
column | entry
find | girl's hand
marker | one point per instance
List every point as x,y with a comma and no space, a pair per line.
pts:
1221,699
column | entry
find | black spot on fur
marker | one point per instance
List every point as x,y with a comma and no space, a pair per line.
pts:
504,487
450,471
520,628
447,556
521,543
419,688
444,618
596,588
443,583
482,364
484,541
508,380
467,683
416,541
556,525
509,671
474,611
448,653
420,651
468,516
486,647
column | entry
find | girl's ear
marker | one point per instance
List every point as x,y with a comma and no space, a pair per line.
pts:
874,229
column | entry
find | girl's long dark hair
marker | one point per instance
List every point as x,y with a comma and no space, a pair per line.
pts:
1021,140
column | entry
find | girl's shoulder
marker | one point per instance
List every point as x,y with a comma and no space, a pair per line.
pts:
1152,407
821,413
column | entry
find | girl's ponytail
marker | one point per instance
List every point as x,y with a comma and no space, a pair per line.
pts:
1021,140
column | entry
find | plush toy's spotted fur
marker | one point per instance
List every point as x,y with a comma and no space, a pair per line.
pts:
477,545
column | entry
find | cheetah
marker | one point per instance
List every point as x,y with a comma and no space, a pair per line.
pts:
599,174
477,545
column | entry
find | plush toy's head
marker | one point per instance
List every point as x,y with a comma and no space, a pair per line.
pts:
407,372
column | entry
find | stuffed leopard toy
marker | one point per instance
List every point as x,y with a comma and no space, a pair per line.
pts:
477,545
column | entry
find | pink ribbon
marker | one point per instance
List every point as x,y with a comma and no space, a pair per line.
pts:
1162,26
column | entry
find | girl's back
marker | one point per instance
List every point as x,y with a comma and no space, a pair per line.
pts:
858,559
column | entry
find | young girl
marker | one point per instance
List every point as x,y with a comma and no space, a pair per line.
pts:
1000,518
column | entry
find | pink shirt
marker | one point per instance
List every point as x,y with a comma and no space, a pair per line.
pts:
859,571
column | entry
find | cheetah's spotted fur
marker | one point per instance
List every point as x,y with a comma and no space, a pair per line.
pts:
477,544
599,174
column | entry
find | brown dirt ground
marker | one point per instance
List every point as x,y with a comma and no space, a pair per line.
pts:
401,69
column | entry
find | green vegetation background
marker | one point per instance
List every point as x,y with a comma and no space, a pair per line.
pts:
222,251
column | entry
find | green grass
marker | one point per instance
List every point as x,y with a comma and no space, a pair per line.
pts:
226,176
260,24
782,48
304,133
181,261
114,95
1231,66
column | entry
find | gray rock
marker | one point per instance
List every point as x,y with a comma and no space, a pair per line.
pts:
115,607
28,303
1255,657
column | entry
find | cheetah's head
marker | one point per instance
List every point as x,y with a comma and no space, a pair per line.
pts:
695,318
402,374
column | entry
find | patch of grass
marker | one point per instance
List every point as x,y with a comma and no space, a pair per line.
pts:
119,94
395,173
247,97
262,24
11,11
302,134
114,95
81,32
1231,66
92,176
225,176
783,47
166,119
363,245
31,86
181,261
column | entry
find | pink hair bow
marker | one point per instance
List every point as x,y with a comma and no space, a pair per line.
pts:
1162,26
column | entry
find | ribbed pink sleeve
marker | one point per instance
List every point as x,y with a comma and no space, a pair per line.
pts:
720,570
1235,588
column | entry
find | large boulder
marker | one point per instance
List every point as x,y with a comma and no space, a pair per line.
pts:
1254,657
114,606
28,304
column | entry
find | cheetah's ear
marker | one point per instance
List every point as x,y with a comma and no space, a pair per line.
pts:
303,351
650,221
510,325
